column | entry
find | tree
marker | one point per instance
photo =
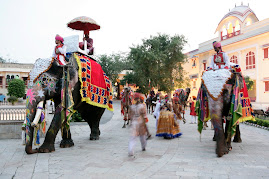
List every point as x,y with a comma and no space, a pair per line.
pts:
159,60
2,60
113,65
16,88
249,82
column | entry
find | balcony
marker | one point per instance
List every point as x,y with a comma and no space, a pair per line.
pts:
230,35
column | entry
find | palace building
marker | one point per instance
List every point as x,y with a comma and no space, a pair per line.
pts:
9,71
245,39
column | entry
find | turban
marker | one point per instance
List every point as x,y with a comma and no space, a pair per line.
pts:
59,38
137,96
175,99
216,44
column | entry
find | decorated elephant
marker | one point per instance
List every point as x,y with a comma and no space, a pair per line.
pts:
180,102
81,85
223,93
126,102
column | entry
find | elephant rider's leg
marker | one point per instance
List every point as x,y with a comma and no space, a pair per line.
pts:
48,145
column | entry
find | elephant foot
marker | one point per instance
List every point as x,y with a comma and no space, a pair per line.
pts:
229,147
214,138
237,140
94,137
222,150
46,148
66,143
29,150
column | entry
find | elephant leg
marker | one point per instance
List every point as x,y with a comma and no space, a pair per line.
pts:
227,135
29,140
93,115
66,141
125,117
48,145
30,130
128,118
220,138
237,137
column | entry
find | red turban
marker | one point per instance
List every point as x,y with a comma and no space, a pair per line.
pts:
59,38
175,99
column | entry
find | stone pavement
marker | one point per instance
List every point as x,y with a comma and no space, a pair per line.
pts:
184,157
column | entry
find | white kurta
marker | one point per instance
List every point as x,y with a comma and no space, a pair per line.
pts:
62,50
226,60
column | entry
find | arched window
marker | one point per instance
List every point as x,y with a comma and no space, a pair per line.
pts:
248,22
250,60
234,59
224,30
237,26
230,28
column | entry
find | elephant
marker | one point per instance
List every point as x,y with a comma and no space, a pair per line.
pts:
48,86
126,102
180,102
219,96
151,104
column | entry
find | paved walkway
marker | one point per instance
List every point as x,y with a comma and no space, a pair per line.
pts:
184,157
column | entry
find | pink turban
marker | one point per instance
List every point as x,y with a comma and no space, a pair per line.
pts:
216,44
59,38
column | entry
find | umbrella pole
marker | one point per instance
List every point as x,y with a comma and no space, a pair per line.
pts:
85,43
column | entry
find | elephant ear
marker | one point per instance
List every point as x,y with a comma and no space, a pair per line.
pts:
214,81
40,66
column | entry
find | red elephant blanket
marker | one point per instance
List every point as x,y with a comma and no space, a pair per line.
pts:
96,89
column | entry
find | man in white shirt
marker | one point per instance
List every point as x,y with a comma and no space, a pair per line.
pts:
220,60
59,51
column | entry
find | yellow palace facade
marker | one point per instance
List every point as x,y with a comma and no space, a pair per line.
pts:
245,39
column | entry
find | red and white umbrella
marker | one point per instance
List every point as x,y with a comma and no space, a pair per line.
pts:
83,23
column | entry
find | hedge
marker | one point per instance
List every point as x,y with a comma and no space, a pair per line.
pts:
260,122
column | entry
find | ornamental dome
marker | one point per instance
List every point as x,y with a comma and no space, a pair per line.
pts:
243,14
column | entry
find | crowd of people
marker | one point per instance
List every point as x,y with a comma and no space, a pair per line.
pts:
168,112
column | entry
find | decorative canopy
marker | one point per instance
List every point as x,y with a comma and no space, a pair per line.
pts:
83,23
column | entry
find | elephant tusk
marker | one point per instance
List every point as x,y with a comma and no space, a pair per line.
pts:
38,114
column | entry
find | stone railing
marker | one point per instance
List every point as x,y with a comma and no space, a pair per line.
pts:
13,114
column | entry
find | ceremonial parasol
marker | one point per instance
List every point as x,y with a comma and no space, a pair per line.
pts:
83,23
